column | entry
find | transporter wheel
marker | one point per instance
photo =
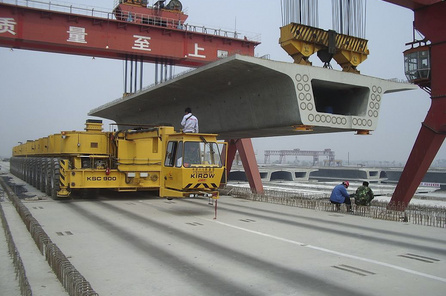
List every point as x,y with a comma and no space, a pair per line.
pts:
25,167
22,169
34,172
12,165
30,171
55,178
38,172
26,170
42,174
42,178
48,175
16,166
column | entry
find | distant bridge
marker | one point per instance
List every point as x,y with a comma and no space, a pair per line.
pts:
297,152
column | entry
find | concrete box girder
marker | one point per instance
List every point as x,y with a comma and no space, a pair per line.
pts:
246,97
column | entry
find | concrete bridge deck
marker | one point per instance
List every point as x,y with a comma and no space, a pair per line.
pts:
135,244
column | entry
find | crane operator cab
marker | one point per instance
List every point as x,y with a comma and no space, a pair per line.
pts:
193,166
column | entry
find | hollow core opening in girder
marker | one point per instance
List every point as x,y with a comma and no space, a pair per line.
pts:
338,98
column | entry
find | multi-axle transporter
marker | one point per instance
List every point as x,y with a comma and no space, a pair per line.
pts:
177,164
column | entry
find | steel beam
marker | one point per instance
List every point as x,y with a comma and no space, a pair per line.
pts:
413,4
102,36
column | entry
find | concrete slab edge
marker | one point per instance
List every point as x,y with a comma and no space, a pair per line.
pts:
73,282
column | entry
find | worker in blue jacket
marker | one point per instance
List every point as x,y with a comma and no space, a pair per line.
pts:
339,195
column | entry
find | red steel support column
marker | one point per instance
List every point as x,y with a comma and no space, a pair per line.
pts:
246,152
230,154
430,21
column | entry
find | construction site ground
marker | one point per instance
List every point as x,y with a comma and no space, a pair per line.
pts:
138,244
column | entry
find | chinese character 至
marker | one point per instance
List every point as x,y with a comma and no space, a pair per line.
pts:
141,43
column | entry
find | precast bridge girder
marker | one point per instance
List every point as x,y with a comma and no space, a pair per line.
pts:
246,97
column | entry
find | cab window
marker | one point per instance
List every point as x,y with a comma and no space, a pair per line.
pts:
192,154
211,154
201,153
170,154
179,155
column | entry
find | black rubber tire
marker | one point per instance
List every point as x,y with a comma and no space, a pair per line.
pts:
42,179
26,171
55,178
35,169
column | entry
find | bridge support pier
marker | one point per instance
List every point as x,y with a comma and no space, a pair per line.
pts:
249,162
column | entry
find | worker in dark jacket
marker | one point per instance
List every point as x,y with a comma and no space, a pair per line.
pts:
339,195
364,195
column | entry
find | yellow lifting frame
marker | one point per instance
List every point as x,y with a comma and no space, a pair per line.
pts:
301,41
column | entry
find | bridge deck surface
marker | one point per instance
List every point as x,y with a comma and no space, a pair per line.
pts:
142,245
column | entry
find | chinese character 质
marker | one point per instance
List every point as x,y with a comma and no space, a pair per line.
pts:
7,25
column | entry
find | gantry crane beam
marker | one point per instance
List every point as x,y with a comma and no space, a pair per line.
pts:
104,36
413,4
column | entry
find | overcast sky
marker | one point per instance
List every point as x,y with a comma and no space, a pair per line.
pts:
44,93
